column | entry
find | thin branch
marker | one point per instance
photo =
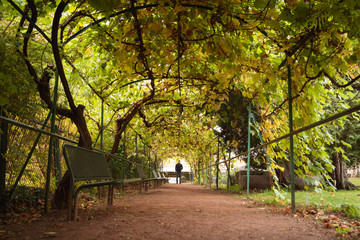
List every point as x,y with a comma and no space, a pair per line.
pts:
338,84
11,21
287,99
301,43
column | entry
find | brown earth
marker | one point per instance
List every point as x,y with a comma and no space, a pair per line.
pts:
172,211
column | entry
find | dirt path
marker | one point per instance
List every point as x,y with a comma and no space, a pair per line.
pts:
174,212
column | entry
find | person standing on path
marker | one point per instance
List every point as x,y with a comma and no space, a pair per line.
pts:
178,168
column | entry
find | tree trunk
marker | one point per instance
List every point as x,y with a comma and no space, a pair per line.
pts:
284,176
339,175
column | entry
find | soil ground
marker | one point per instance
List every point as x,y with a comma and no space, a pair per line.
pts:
172,211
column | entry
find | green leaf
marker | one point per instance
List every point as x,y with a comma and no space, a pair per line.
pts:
339,149
260,3
301,13
346,144
278,194
3,101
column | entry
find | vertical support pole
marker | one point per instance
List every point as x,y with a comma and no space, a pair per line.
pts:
124,155
248,155
199,172
155,162
205,172
149,158
228,172
57,164
178,50
102,125
136,146
291,140
210,180
217,165
144,160
124,143
49,164
3,150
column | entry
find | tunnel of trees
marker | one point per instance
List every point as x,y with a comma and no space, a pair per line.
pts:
178,77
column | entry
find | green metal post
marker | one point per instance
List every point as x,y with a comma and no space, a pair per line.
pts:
49,164
248,155
145,160
102,125
56,153
210,169
291,141
3,150
205,172
199,172
228,173
217,165
97,138
136,146
124,155
155,163
149,158
178,50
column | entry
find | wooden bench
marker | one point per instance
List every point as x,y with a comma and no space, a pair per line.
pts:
86,165
158,177
142,175
164,177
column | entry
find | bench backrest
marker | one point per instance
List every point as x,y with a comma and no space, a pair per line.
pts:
155,174
140,170
85,164
159,174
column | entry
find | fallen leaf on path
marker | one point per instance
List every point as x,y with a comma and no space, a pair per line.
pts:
312,211
59,225
50,234
328,225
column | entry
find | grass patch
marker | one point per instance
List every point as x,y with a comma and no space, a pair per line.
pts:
344,201
236,189
355,181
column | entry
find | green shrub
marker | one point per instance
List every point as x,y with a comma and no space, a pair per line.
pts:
351,211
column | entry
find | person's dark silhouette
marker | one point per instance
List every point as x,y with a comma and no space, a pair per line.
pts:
178,168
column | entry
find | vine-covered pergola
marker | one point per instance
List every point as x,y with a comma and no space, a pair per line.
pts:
168,66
